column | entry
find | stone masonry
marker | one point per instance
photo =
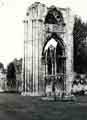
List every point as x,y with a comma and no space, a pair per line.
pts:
36,33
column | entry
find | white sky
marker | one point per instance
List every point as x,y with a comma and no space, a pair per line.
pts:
51,42
12,13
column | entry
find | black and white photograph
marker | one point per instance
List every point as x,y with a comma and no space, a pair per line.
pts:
43,60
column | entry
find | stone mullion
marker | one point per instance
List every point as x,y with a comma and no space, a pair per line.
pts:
55,60
52,62
46,64
64,72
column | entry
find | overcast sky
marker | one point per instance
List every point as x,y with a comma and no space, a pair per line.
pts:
12,13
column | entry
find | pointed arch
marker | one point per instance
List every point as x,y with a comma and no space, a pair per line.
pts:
57,39
54,16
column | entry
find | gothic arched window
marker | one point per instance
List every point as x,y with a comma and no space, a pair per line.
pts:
54,16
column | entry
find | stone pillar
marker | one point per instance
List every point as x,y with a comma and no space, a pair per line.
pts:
69,51
27,61
25,52
36,46
30,56
55,60
35,56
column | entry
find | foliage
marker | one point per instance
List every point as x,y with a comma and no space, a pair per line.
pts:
80,46
18,65
1,66
11,75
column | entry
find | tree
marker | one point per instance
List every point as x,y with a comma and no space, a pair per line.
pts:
11,75
80,46
18,65
1,66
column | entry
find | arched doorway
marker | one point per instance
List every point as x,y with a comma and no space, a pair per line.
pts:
54,61
11,78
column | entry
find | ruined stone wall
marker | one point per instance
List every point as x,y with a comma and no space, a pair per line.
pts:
35,37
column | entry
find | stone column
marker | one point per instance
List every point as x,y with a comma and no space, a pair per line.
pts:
37,49
26,61
55,61
69,52
46,65
30,56
35,56
27,69
33,48
25,57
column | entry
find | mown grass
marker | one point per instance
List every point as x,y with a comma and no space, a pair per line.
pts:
17,107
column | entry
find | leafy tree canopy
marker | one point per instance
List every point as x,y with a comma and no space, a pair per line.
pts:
80,46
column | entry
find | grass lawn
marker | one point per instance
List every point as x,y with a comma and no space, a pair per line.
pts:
16,107
54,110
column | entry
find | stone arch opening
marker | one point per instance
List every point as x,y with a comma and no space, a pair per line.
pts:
54,61
11,75
54,51
54,16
